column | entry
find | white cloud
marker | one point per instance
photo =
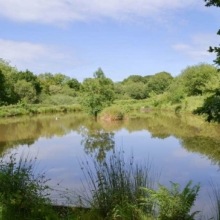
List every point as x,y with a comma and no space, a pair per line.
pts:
62,11
197,47
37,57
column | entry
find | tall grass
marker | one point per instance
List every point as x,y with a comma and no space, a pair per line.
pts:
112,113
215,200
113,187
123,190
23,193
162,102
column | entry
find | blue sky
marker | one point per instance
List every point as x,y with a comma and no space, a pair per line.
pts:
123,37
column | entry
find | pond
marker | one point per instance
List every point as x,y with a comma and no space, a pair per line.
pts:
180,147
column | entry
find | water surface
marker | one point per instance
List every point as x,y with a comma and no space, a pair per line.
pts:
182,148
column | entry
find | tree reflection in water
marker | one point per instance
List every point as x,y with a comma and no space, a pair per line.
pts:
97,142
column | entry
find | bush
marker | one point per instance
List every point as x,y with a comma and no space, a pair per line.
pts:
112,113
23,194
176,97
195,80
173,204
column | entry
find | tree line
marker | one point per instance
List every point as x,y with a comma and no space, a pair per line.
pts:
99,91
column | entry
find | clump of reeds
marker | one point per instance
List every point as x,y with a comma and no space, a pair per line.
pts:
215,200
114,187
112,113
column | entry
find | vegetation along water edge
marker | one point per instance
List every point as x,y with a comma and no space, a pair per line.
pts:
194,90
115,188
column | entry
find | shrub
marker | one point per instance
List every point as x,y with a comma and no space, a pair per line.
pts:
23,194
176,97
173,204
112,113
195,80
215,200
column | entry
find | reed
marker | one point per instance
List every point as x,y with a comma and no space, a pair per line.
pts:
113,187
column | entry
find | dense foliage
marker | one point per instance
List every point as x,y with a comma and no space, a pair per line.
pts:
26,87
23,193
161,90
97,93
214,49
199,79
211,106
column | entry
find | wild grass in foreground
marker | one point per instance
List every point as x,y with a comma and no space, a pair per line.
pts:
23,194
215,198
115,189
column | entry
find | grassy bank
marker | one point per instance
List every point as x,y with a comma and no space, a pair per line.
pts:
18,110
131,108
121,109
160,102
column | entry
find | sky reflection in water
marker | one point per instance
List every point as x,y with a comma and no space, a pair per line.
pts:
60,145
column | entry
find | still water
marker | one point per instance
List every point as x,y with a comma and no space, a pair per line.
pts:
181,148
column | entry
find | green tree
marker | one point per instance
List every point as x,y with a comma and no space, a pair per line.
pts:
28,76
97,93
136,90
159,82
7,72
176,91
60,79
25,91
212,3
120,91
2,89
46,80
66,90
214,49
211,106
134,79
99,74
54,89
146,78
195,79
73,84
